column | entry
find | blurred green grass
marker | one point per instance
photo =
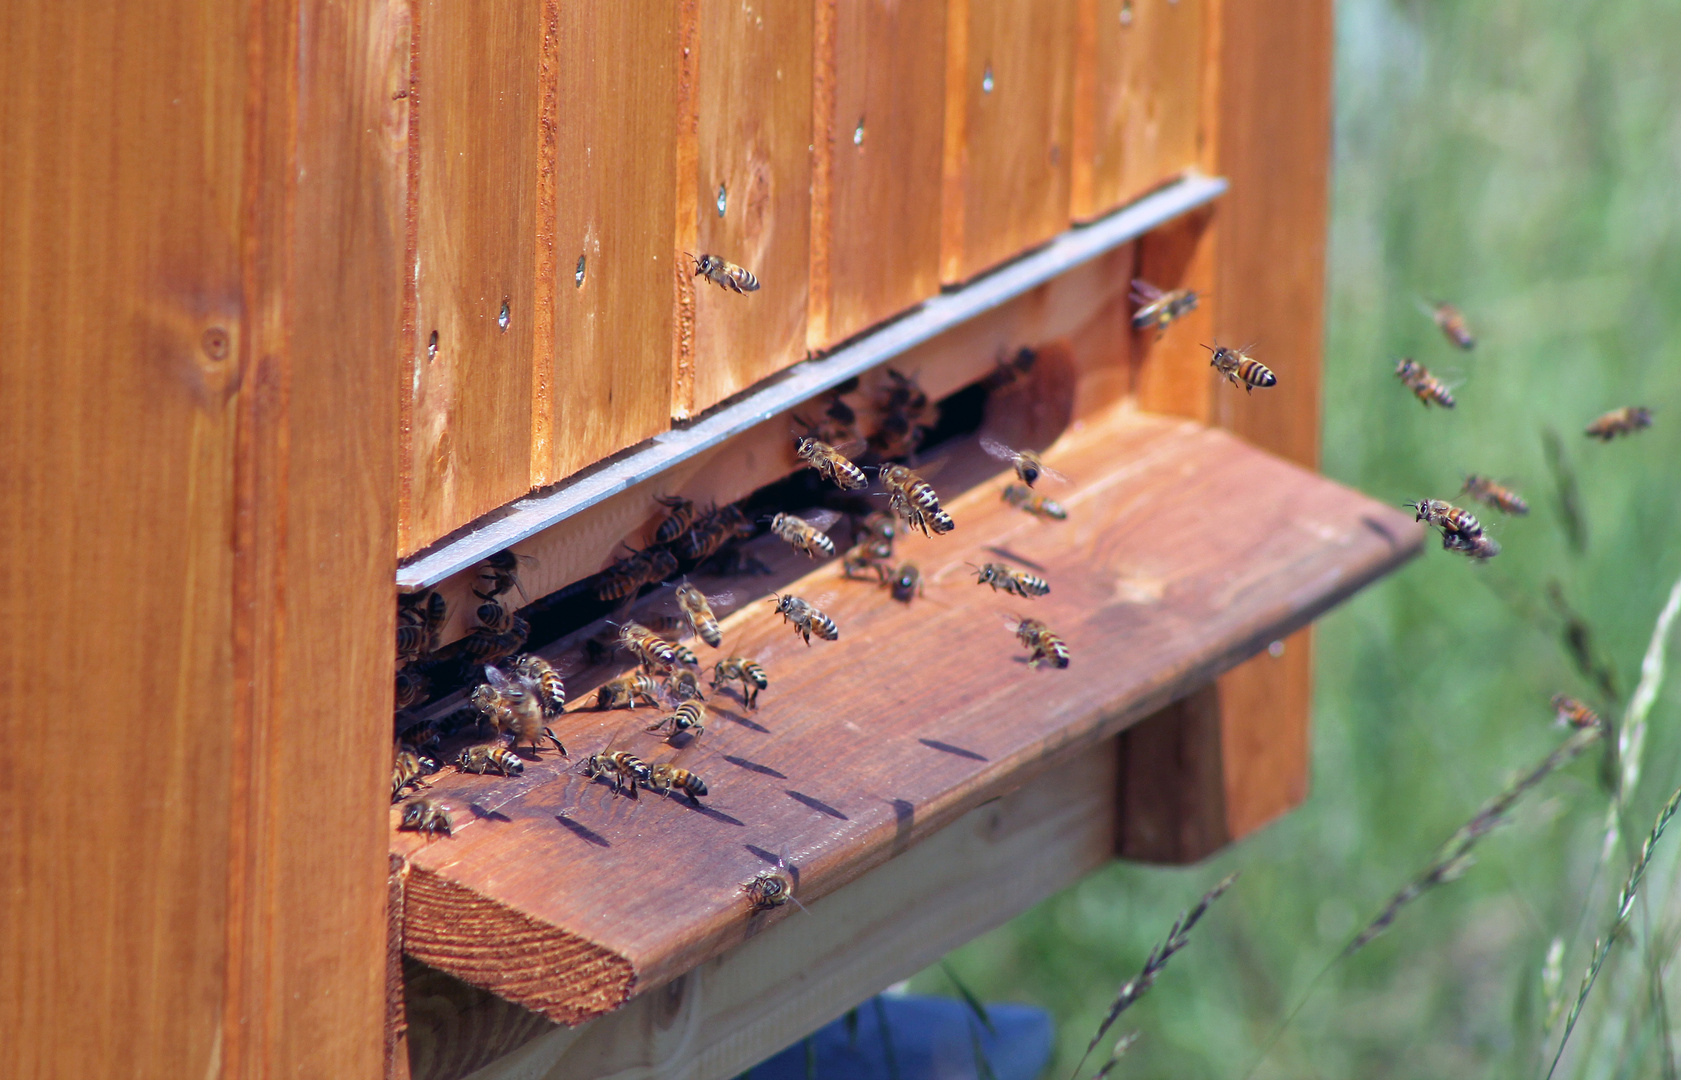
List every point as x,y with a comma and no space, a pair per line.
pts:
1522,160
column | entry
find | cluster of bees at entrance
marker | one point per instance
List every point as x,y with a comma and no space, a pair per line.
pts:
1460,529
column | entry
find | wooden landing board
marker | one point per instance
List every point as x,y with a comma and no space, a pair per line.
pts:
1187,552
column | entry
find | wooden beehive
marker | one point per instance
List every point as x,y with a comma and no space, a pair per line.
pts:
299,299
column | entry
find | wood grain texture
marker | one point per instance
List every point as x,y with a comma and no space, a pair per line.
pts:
477,146
1139,104
1145,593
1008,148
753,87
732,1012
202,261
616,92
876,210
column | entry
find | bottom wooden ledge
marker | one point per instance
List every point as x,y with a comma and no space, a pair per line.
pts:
1186,552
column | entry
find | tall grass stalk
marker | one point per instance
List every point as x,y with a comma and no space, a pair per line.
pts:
1625,904
1631,734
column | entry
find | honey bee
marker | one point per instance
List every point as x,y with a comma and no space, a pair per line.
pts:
1158,308
1573,713
1027,464
483,759
551,689
407,767
626,690
869,555
830,463
1425,386
1240,369
914,499
624,768
1010,580
1452,324
725,275
627,576
904,584
680,515
514,707
1046,646
711,532
688,717
411,687
906,414
647,646
1496,495
748,672
1012,371
1032,502
663,777
500,570
683,685
1476,545
806,536
1625,421
880,524
684,654
1446,516
420,616
697,608
426,816
807,619
485,645
772,888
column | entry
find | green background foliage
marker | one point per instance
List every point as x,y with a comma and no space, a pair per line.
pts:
1522,160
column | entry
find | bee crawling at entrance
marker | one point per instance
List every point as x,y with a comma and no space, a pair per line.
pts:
428,816
1047,647
664,777
689,717
624,768
407,768
514,707
725,275
626,690
490,758
772,888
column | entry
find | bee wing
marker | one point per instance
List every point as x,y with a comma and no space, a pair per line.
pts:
723,599
500,680
1052,473
1144,292
997,449
822,519
851,447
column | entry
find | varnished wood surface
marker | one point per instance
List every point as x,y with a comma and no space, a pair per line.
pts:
476,81
1009,130
865,745
733,1012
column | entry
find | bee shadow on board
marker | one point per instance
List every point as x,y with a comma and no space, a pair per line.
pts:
582,831
816,804
753,766
948,748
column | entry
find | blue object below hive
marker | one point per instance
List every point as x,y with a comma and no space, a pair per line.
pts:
929,1038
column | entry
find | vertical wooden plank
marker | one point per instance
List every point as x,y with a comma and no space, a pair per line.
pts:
753,92
471,430
1009,130
1139,108
616,94
876,202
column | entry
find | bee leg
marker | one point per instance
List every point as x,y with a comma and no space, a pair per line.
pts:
554,739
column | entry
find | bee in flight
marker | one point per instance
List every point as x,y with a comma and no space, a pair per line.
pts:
1158,308
664,777
830,463
697,608
491,758
626,690
551,689
1475,545
1573,713
1500,497
1010,580
1028,465
427,816
1240,369
1445,516
1032,502
725,275
1046,646
1425,386
915,500
807,619
1624,421
772,888
806,535
1452,324
647,646
689,717
680,514
747,672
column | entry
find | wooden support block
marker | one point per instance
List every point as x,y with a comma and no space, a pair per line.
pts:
1143,589
611,84
1138,113
732,1012
879,115
753,80
470,400
1009,130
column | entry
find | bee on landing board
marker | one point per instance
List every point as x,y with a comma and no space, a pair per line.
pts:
830,463
680,514
1426,387
1452,324
1157,308
1624,421
806,535
1047,647
427,816
688,717
1010,580
626,690
771,888
725,275
807,619
514,706
1240,369
748,672
903,584
1499,496
619,765
490,758
1026,499
683,685
915,500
